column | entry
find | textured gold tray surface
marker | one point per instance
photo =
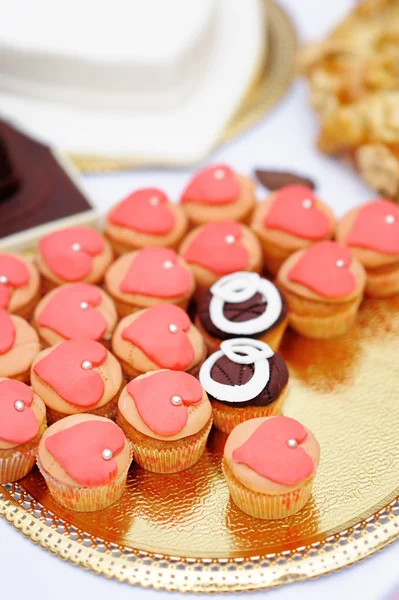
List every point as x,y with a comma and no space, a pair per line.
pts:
275,73
182,532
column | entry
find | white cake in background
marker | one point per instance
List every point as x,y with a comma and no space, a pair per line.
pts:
106,53
152,80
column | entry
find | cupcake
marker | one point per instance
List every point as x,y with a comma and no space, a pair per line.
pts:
290,219
19,285
84,460
19,346
244,379
242,305
270,465
219,249
71,255
217,193
147,277
372,233
75,310
145,218
22,424
167,416
324,287
77,376
160,337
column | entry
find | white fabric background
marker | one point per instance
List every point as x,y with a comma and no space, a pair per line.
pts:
284,139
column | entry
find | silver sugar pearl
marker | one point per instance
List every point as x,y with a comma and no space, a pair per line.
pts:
218,174
84,305
230,239
340,263
292,443
76,247
107,454
173,328
154,201
307,203
390,219
176,400
168,264
3,279
19,405
87,365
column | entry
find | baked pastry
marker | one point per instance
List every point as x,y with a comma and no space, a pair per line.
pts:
324,286
160,337
77,376
75,310
84,460
372,233
147,277
353,79
217,193
242,304
244,379
19,285
270,465
145,218
217,249
22,424
167,416
19,345
290,219
71,255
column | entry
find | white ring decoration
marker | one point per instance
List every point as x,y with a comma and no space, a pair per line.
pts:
239,287
252,352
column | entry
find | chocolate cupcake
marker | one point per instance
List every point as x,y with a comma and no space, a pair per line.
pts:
242,304
244,380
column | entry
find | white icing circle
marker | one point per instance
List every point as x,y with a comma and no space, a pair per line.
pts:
240,287
251,352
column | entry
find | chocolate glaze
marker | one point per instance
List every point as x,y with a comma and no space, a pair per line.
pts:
238,312
230,373
274,180
34,189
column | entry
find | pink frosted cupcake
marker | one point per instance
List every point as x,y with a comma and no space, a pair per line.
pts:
168,417
85,460
19,285
19,346
22,424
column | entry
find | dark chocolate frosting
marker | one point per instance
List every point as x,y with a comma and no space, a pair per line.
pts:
34,188
238,312
231,373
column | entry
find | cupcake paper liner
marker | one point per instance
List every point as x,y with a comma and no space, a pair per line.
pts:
225,417
107,410
83,499
17,466
267,506
383,283
165,456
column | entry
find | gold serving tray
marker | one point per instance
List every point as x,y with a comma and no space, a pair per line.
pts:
275,73
182,532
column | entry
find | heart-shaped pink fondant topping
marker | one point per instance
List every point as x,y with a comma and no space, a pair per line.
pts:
162,398
268,453
218,248
69,252
161,333
295,211
324,268
377,227
7,332
214,185
64,370
13,274
156,272
17,426
72,312
145,211
79,450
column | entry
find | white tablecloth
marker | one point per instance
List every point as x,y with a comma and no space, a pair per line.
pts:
285,139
